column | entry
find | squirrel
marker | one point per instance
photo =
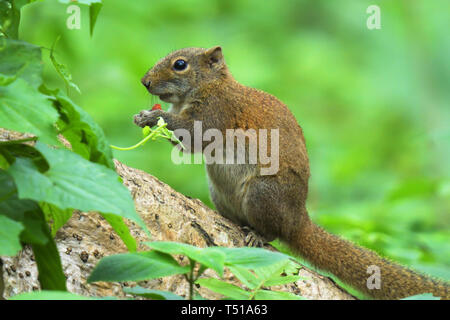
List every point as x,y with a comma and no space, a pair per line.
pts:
200,87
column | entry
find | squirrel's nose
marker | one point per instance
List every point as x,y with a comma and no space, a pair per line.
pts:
146,82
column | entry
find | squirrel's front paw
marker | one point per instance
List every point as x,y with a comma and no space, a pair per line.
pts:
147,118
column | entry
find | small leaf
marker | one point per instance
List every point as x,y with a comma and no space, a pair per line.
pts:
62,70
146,131
24,109
210,257
245,276
122,230
251,257
55,215
136,267
9,236
94,10
152,294
224,288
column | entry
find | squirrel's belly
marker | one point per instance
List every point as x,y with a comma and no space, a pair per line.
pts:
228,186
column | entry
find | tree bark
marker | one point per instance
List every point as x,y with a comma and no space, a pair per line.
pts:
169,216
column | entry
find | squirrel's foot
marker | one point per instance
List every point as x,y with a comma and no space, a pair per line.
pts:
253,239
147,118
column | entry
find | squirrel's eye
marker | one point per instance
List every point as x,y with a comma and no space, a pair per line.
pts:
180,64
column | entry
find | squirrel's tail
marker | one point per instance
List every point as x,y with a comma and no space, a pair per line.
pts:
361,268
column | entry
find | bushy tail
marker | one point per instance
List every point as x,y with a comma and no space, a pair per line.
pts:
361,268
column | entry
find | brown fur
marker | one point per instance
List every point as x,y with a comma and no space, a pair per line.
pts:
273,205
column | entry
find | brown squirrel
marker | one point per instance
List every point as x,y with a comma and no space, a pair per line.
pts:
200,87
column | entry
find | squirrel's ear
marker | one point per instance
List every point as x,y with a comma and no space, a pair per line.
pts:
214,55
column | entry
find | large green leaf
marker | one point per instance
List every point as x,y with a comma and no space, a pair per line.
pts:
136,267
73,182
251,257
24,109
9,236
21,59
210,257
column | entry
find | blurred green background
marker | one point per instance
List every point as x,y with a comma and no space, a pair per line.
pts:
373,104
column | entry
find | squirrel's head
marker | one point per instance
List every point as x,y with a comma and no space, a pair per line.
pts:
177,74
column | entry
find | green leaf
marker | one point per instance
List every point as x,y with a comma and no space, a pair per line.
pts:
276,295
62,70
423,296
210,257
73,183
270,271
48,295
84,134
22,211
152,294
136,267
222,287
21,59
24,109
9,236
94,10
251,257
55,215
122,230
245,276
51,275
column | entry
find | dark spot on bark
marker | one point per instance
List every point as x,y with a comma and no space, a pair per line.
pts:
84,256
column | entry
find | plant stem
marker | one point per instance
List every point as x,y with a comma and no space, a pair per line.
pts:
191,280
151,135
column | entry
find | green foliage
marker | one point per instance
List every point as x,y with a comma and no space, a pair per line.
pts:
62,70
256,280
373,104
160,131
255,268
136,267
9,236
15,115
40,184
